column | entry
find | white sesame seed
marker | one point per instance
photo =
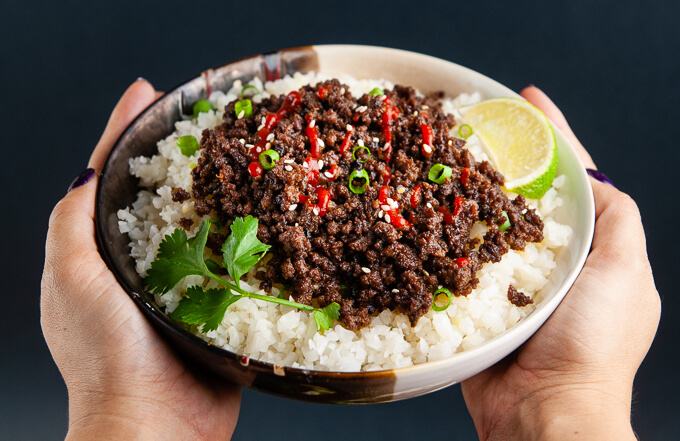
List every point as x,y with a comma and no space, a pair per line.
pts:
185,209
401,189
387,218
362,109
361,142
366,270
250,146
260,127
241,114
292,207
395,290
237,83
320,164
316,210
415,113
386,207
426,273
427,148
312,123
270,137
264,120
242,141
390,201
267,146
296,224
321,143
289,161
328,174
305,165
426,107
429,205
288,168
349,128
450,142
376,140
342,91
380,214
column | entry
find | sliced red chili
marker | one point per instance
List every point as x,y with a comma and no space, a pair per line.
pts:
312,132
448,216
465,176
302,198
323,91
333,172
346,142
462,261
398,221
428,138
255,169
457,205
383,194
415,196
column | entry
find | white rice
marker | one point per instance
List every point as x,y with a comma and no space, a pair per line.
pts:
287,336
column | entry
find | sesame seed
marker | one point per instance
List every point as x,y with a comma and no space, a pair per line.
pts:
386,207
380,214
263,121
328,174
241,114
401,189
238,83
289,161
321,143
270,137
427,148
361,142
316,210
267,146
242,141
366,270
426,273
450,142
415,113
349,128
292,207
429,205
250,146
426,107
185,209
387,218
305,165
390,201
395,290
261,127
362,109
320,164
342,91
288,168
312,123
376,140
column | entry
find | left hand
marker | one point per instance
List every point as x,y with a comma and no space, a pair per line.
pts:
123,381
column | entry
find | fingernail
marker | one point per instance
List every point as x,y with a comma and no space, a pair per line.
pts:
595,174
141,79
82,179
530,85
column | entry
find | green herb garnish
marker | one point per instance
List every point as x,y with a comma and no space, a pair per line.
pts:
243,108
202,106
268,159
376,91
434,299
188,145
358,187
359,148
438,173
507,223
179,257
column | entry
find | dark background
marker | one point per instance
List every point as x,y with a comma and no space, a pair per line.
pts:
612,66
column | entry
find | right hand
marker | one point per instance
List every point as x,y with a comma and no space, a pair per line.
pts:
575,375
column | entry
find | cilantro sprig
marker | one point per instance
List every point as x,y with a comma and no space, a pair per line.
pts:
179,257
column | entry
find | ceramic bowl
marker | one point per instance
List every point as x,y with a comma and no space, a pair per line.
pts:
117,189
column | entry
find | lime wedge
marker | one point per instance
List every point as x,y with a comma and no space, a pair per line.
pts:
519,141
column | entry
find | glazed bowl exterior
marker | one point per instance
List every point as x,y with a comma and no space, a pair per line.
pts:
117,189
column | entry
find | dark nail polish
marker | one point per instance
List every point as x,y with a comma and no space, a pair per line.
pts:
595,174
82,179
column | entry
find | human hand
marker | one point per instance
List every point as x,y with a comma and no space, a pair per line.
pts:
573,379
123,381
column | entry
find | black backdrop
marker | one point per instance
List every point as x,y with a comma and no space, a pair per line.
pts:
613,66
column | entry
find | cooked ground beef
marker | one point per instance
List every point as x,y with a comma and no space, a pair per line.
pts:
518,298
389,247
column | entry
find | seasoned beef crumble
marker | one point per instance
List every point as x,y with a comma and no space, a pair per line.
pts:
390,247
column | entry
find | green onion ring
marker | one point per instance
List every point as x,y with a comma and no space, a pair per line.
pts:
467,134
202,106
376,91
358,174
439,172
506,224
354,153
249,87
268,159
245,106
187,145
434,299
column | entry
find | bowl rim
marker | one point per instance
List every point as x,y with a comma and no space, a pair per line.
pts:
545,308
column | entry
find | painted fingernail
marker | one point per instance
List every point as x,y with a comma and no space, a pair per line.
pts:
595,174
82,179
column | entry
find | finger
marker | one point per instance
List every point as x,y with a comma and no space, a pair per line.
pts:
539,99
135,99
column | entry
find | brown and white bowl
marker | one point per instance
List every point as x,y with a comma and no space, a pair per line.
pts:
118,189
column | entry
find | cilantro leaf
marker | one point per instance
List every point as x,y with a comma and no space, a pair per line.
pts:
199,307
177,258
324,317
242,249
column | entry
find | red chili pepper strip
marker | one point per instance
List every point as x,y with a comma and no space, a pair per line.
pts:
255,169
465,176
462,261
345,142
313,134
383,194
457,205
398,221
324,197
387,176
448,216
428,138
415,196
302,198
290,103
313,171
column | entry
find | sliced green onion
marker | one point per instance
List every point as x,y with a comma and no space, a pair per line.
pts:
439,172
465,131
187,145
245,106
249,87
434,299
354,153
268,159
376,91
202,106
358,174
506,224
